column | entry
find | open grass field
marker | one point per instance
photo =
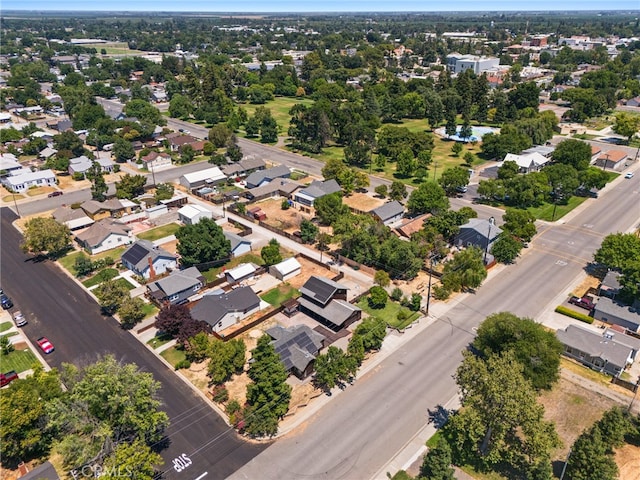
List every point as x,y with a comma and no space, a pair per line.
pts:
279,107
277,296
159,232
389,313
114,48
19,360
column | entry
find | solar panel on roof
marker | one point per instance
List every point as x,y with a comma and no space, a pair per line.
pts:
136,253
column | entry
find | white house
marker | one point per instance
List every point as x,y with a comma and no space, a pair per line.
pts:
104,235
208,176
532,162
9,162
82,164
24,181
147,260
192,214
156,160
286,269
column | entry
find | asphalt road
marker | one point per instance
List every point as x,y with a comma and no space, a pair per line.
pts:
59,309
355,435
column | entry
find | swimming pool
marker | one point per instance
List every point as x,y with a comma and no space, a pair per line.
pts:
478,132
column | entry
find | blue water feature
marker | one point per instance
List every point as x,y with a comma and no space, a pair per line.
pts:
478,132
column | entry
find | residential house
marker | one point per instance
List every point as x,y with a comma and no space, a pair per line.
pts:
222,310
610,311
74,218
601,352
570,129
82,164
99,210
156,160
244,167
478,233
176,143
9,162
326,301
633,102
177,287
191,214
239,245
159,96
613,159
262,177
46,471
147,260
46,153
278,187
208,176
25,180
242,272
298,346
610,285
104,235
544,150
389,213
286,269
315,190
411,226
595,153
61,125
532,162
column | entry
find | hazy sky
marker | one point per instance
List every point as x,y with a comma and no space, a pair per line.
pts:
323,6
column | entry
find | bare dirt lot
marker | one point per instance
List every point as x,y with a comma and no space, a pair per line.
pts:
287,220
362,201
573,409
628,460
309,269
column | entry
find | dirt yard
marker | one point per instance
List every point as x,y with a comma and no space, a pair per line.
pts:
287,220
573,409
628,460
588,283
362,201
309,269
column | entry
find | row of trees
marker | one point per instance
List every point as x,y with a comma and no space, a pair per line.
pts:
38,416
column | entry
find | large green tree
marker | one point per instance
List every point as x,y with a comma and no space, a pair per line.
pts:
130,186
130,460
429,197
437,463
270,253
520,224
573,152
45,236
225,359
454,179
465,270
333,368
89,426
268,394
201,243
537,349
626,125
111,294
501,421
506,248
617,250
329,208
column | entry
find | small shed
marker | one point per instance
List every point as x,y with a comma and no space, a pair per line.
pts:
244,271
286,269
156,211
192,214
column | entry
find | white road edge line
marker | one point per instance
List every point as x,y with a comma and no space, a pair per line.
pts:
202,476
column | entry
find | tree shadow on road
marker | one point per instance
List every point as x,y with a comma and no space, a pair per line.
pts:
439,416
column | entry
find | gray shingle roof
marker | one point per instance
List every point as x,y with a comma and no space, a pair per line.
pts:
256,178
336,311
178,281
388,210
319,189
100,230
606,306
320,289
594,344
212,308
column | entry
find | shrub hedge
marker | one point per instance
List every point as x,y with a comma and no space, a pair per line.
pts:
573,314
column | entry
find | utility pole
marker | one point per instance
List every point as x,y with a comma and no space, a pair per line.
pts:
429,287
564,468
13,194
635,395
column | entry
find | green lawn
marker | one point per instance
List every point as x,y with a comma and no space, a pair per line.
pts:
280,294
159,232
149,310
18,360
68,260
389,313
279,107
159,340
212,273
101,276
125,283
173,355
4,326
545,212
